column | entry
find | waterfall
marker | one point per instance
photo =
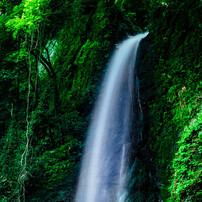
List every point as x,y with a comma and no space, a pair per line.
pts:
104,172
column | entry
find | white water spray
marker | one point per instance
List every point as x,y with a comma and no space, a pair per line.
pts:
104,169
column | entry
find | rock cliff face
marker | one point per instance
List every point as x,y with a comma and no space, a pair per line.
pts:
171,94
144,184
168,71
81,61
169,155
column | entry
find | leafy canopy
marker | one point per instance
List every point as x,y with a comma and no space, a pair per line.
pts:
27,16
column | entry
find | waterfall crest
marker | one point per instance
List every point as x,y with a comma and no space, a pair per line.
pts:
104,171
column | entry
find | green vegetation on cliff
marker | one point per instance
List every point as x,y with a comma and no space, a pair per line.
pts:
53,56
175,107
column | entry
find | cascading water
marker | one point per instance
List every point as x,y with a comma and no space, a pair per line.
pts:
104,172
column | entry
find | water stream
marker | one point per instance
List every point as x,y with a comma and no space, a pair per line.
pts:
104,172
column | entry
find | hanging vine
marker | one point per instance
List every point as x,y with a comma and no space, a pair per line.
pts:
25,24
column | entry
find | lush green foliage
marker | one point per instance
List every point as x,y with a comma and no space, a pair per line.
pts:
187,162
53,55
49,75
175,104
27,16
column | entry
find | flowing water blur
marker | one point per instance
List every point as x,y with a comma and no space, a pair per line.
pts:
104,172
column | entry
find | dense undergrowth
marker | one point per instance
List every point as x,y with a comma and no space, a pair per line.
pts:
175,108
53,57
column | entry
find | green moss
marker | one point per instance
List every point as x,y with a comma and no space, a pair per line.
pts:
175,103
187,164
